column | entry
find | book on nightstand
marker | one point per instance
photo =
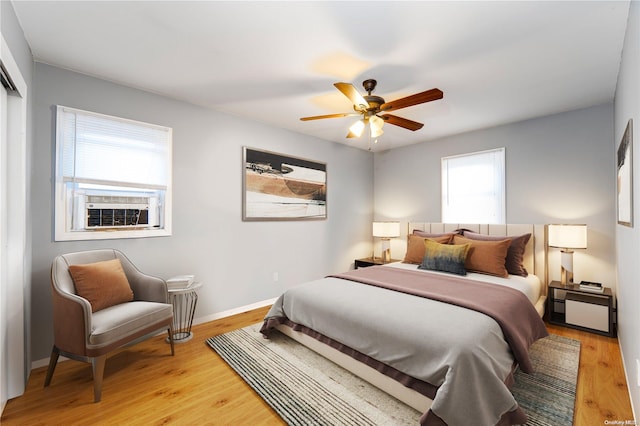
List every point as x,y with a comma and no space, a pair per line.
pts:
591,286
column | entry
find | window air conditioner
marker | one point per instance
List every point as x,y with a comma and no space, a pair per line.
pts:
107,211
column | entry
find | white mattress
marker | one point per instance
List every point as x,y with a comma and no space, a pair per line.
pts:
529,285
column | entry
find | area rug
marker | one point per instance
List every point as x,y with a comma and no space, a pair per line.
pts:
306,389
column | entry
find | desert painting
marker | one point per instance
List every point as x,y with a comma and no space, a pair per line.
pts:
281,187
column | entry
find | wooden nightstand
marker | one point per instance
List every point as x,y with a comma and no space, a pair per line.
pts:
371,261
571,306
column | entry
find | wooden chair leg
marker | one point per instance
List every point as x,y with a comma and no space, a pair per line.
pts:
53,361
97,365
170,331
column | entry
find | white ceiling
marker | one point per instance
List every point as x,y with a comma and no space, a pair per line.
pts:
496,62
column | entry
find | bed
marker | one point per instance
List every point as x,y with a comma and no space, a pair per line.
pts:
443,343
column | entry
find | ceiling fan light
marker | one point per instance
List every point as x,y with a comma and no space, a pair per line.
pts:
376,124
376,132
357,128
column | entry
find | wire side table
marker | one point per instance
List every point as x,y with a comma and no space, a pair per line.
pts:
184,302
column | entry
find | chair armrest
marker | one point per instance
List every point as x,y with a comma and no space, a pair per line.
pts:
72,319
148,288
145,287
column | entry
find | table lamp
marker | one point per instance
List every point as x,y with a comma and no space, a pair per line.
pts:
386,231
567,237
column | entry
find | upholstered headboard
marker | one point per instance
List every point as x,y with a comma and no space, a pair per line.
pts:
535,259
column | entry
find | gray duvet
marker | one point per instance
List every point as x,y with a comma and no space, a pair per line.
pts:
459,350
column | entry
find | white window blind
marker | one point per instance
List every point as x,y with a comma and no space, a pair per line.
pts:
111,174
473,187
108,149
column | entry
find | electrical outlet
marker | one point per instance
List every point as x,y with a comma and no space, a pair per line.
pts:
276,277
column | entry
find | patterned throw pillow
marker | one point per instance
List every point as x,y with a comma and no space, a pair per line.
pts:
444,257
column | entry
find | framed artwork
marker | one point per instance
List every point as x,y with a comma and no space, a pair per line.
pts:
281,187
625,177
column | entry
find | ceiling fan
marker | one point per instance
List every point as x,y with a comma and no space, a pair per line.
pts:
373,109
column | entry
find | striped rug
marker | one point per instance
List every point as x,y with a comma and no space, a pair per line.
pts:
306,389
548,396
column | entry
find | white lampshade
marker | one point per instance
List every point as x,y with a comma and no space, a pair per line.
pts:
568,236
386,229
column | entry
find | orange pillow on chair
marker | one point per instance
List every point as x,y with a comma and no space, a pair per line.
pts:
103,284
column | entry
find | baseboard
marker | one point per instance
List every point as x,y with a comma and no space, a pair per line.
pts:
234,311
219,315
628,372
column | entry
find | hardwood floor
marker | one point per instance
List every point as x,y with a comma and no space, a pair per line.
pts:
601,394
144,385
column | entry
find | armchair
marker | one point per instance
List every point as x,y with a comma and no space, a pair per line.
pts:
84,335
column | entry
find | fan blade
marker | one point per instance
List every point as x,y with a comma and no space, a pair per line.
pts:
418,98
347,89
319,117
402,122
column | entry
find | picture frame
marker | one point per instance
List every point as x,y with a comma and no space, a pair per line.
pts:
625,177
278,186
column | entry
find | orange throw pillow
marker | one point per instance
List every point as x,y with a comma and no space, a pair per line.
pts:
486,257
103,284
415,247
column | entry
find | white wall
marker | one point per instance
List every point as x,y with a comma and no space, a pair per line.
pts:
235,260
559,169
627,106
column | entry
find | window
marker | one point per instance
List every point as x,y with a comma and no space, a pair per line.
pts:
112,174
473,188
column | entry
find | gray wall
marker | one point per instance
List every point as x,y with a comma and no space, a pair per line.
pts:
14,36
235,260
559,169
627,106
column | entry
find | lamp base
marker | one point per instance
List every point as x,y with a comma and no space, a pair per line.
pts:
386,256
566,267
386,250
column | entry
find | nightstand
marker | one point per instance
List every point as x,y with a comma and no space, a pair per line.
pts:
371,261
570,306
